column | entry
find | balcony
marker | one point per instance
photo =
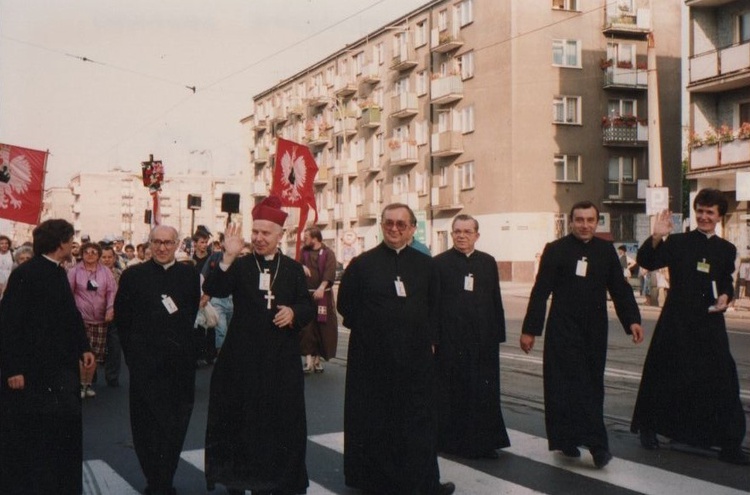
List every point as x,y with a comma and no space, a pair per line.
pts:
403,153
318,97
260,154
368,211
446,90
624,131
346,167
370,165
323,216
621,76
344,86
720,70
726,154
445,199
345,127
626,24
447,143
405,58
371,117
258,189
404,105
260,124
410,199
318,137
321,178
446,41
371,73
278,115
296,107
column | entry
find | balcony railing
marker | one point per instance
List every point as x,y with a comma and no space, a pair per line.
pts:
614,134
260,124
404,58
344,86
371,117
404,105
321,178
445,41
318,137
446,90
346,167
722,69
258,188
403,153
370,165
625,77
626,24
445,199
278,114
318,97
260,154
323,216
411,199
346,126
371,73
296,107
722,154
368,211
448,143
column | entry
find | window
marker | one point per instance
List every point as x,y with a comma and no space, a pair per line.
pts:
442,178
318,83
466,12
442,20
565,4
622,54
467,119
567,168
566,53
566,110
356,193
422,83
401,86
359,63
380,139
330,75
378,53
619,108
621,171
467,175
359,149
422,184
377,191
420,132
420,34
743,27
377,97
401,184
743,111
466,65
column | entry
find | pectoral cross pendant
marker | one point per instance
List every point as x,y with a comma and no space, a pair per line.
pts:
269,297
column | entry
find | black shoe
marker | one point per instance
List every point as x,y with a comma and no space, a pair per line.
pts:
446,488
734,456
648,440
571,452
601,456
490,454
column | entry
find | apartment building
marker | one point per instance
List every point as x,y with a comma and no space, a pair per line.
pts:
116,203
508,111
718,89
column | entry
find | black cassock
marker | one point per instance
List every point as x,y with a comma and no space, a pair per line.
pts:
575,346
160,351
390,429
42,337
257,431
689,388
472,326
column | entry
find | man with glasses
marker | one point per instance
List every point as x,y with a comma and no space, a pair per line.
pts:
387,298
155,307
472,326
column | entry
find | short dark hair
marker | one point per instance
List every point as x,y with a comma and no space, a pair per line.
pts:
51,234
200,234
314,233
93,245
583,205
622,247
128,246
396,206
463,218
5,238
711,197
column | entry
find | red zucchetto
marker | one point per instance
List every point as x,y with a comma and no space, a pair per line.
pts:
270,209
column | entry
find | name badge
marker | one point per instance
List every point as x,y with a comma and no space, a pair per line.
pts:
400,288
169,304
94,284
265,280
469,282
581,267
704,267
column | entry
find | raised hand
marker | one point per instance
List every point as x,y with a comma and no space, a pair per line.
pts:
233,242
663,226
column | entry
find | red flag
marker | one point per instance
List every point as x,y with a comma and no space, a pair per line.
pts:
21,183
293,181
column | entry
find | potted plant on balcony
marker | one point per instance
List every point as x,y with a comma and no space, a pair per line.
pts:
624,64
695,140
710,138
725,134
744,131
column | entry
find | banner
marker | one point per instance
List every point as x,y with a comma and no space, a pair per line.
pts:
153,176
293,181
21,183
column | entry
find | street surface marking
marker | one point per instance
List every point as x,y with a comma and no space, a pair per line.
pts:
100,479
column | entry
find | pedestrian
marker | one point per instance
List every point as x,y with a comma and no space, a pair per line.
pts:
256,431
578,270
626,262
113,355
22,254
224,306
200,248
319,337
689,388
6,260
472,326
43,339
155,308
388,297
94,290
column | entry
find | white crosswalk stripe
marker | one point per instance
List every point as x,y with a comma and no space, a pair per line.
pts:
100,479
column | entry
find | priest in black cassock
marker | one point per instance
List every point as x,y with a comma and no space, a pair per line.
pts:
578,270
42,338
472,326
155,308
257,431
388,298
689,388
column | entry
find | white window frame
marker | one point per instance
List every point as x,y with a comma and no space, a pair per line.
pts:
562,161
466,175
421,85
401,183
466,12
442,20
564,105
467,119
379,53
421,183
442,176
377,191
620,103
621,177
420,34
567,46
420,132
565,5
359,63
330,75
465,63
622,52
380,138
738,27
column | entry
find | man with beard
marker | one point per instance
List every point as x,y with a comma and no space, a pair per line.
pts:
578,270
256,433
472,326
155,308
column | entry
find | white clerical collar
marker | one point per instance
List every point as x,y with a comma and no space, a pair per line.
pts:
707,234
53,260
466,254
166,266
267,257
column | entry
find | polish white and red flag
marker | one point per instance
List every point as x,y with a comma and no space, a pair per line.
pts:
21,183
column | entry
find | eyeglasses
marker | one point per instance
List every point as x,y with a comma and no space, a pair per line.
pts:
464,232
91,253
399,224
159,243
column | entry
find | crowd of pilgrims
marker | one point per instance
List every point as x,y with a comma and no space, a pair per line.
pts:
453,401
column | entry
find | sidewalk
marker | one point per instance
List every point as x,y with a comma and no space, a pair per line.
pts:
740,309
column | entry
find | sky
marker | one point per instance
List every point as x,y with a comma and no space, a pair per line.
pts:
103,84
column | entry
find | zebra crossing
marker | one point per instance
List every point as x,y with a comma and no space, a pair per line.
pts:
101,479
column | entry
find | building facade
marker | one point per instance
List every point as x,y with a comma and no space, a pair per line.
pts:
509,111
718,89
